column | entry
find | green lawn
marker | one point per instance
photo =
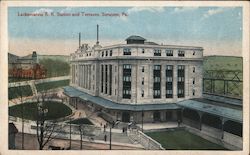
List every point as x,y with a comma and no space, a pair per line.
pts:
51,85
183,140
15,92
55,110
82,121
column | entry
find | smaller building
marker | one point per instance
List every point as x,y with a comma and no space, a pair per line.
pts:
25,67
12,135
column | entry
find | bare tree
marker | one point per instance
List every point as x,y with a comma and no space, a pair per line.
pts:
45,129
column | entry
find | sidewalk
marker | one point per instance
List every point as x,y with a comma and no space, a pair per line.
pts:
118,138
152,126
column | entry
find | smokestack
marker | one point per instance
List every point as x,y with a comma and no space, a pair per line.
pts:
97,42
79,40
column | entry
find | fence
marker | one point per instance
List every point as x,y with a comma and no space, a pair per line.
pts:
61,128
147,142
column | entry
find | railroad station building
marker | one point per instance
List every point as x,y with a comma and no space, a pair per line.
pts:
142,81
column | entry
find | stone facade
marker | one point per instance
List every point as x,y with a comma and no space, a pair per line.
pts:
86,71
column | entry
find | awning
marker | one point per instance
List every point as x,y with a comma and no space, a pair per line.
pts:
73,92
230,113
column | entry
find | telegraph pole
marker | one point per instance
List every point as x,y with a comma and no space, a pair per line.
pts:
110,133
142,115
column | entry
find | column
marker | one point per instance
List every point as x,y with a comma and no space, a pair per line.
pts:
175,80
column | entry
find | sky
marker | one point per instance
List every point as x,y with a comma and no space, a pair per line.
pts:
217,29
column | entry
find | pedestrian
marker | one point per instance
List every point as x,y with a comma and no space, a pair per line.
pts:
105,138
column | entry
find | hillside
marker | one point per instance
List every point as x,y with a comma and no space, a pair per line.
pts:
222,63
64,58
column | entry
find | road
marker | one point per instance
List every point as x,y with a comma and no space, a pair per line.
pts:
30,143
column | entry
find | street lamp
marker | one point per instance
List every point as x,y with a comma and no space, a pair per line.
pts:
142,115
110,133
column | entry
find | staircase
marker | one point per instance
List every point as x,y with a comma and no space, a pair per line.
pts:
133,137
33,88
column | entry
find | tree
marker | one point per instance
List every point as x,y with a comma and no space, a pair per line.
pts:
45,129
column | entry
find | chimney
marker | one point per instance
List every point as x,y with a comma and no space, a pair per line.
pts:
97,42
79,40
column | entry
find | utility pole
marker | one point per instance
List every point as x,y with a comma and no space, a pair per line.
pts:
110,133
70,134
142,115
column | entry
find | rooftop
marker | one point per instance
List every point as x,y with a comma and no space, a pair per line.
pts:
73,92
226,112
134,37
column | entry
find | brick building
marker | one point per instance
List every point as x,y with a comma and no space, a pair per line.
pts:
25,67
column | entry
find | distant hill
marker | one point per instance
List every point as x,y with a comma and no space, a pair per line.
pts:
216,62
64,58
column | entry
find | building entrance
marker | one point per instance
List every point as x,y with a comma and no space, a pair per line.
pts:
169,116
125,117
157,116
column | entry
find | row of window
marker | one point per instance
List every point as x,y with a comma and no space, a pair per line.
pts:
107,53
157,52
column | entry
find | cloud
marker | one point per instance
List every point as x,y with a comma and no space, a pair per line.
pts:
184,9
66,10
43,10
212,12
149,9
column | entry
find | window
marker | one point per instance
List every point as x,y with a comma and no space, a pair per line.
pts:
169,94
169,52
110,53
193,52
142,82
169,81
193,92
193,69
157,93
181,53
126,51
157,52
157,67
181,81
110,79
142,69
102,78
102,53
127,81
106,53
142,93
89,54
157,79
127,78
106,79
143,51
126,66
193,80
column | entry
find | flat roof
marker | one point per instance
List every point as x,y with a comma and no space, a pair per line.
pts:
232,114
73,92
